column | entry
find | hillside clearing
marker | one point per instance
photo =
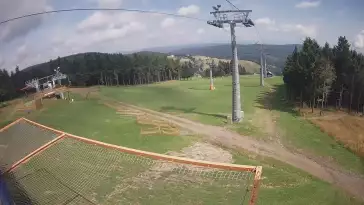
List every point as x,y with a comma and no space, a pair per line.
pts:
346,128
193,100
281,184
250,66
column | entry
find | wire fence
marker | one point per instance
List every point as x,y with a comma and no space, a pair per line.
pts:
21,139
72,171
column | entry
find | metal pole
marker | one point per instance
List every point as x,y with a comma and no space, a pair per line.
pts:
238,17
236,117
210,62
265,66
211,80
37,86
261,69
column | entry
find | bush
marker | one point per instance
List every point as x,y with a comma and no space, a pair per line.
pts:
3,104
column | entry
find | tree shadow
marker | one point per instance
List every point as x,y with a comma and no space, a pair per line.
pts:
191,110
276,100
192,88
245,86
12,191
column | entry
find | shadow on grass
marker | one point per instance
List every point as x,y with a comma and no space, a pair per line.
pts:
192,88
245,86
190,110
276,100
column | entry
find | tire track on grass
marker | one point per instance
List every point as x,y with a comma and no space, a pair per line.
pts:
351,183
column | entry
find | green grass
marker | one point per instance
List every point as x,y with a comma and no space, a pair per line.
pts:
193,100
250,66
89,118
305,135
281,183
110,177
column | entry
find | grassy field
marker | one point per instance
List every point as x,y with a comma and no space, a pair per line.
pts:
265,109
281,183
117,180
251,67
93,120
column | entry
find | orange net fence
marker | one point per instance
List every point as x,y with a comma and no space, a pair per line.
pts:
61,168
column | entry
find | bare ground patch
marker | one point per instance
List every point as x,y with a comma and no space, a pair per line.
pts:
177,176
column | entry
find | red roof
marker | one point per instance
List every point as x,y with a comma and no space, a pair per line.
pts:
26,88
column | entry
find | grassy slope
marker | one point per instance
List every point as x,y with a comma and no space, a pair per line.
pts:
251,67
303,134
90,119
281,184
284,184
193,100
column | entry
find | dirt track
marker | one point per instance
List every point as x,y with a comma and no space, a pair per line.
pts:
219,135
352,184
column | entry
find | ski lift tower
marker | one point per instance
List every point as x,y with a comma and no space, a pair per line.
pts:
58,76
233,18
34,83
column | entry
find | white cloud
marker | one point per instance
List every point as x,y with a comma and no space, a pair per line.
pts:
308,4
359,40
304,30
265,21
2,62
189,10
110,3
105,20
22,53
96,21
200,31
22,48
168,22
101,27
10,9
113,32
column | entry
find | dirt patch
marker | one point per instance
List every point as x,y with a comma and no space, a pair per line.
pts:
206,152
265,119
197,151
346,128
86,92
266,122
347,181
175,173
319,114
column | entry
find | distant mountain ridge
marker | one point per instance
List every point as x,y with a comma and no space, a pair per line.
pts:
276,54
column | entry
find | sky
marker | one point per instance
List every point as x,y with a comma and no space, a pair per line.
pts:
38,39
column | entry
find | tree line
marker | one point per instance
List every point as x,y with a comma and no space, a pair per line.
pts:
325,76
89,69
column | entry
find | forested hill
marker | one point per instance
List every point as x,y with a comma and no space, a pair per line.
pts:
276,54
88,69
326,76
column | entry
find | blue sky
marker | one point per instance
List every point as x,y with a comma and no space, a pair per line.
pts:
38,39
